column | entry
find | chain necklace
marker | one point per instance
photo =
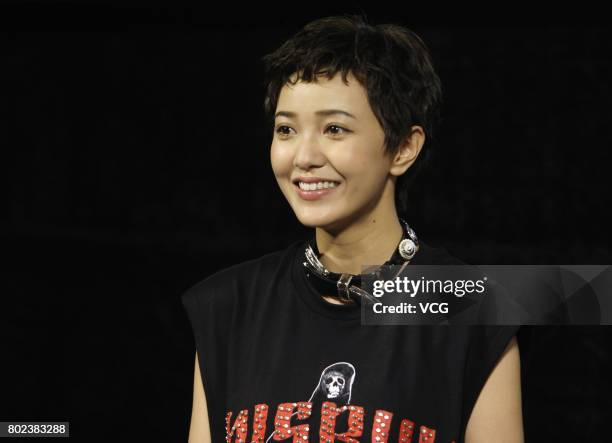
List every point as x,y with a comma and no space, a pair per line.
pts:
347,286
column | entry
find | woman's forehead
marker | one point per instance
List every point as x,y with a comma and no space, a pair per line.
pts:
304,98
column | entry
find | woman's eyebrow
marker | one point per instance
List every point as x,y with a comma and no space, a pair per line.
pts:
324,112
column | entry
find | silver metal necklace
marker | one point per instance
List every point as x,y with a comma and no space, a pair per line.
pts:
348,285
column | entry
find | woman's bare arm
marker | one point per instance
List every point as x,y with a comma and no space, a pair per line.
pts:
199,430
497,415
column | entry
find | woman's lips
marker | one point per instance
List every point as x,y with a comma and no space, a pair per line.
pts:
315,194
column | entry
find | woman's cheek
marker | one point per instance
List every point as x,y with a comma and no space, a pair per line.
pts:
280,161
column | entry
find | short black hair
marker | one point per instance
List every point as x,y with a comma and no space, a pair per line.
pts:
389,60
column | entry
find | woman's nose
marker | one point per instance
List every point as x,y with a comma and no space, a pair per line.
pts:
308,154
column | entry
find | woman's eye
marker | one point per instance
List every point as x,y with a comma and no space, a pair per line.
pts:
339,127
280,129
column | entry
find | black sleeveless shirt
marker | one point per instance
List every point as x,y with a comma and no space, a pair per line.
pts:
275,355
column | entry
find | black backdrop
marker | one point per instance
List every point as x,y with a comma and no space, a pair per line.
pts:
136,163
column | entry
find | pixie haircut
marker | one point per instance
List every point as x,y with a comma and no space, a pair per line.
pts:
390,61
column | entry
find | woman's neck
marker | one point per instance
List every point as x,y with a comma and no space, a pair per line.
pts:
371,241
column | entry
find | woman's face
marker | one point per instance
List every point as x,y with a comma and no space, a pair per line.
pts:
344,155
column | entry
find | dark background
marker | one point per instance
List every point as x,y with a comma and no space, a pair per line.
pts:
136,162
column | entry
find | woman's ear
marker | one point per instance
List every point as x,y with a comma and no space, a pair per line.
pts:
408,152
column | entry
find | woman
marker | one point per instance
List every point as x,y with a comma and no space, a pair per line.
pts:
351,106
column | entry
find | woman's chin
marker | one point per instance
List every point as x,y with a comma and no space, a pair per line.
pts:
312,219
311,222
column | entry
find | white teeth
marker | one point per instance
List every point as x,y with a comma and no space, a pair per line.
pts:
318,185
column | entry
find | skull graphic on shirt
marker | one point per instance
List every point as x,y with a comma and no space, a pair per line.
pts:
335,383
